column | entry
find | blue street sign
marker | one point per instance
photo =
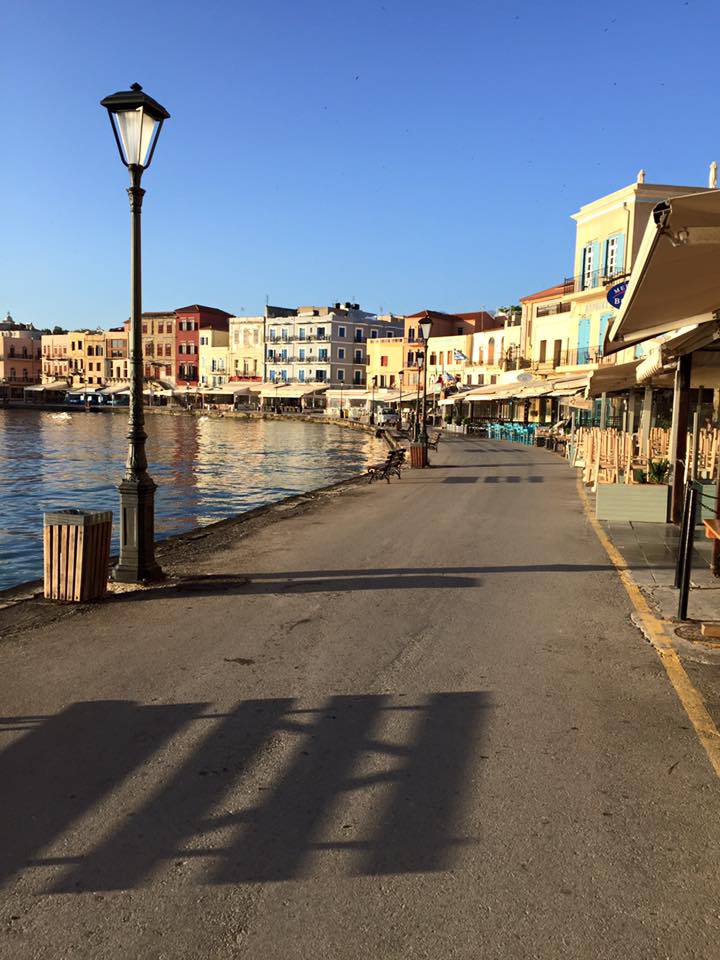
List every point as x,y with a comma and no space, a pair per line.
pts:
615,294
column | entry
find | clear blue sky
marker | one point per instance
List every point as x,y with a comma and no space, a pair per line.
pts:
401,154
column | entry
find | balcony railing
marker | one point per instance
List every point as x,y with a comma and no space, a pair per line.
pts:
551,309
591,280
576,357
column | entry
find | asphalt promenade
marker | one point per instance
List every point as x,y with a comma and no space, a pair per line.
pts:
415,720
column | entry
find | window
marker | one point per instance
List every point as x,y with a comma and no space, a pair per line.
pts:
383,379
383,361
320,376
341,353
301,353
160,327
301,376
481,379
543,351
322,354
341,375
411,334
491,352
373,334
284,333
358,356
358,334
272,376
357,377
392,380
493,379
589,272
341,331
321,333
168,327
168,350
144,328
301,333
204,341
411,358
480,355
612,256
441,359
557,353
433,360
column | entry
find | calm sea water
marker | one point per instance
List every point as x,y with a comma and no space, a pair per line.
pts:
205,470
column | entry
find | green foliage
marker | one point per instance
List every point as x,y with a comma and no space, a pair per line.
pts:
658,471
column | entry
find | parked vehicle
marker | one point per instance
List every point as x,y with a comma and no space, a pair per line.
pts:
386,418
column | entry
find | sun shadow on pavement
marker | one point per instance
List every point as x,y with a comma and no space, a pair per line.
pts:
271,786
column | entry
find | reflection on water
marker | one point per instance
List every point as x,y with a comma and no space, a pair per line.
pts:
205,470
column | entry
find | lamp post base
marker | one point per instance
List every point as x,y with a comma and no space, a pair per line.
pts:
137,563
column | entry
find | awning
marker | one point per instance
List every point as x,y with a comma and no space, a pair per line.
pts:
675,280
613,378
290,392
37,387
492,392
227,389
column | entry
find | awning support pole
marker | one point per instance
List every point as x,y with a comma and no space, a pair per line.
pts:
603,411
631,412
646,422
678,452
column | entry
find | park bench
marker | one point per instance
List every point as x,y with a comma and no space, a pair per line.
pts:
434,441
392,464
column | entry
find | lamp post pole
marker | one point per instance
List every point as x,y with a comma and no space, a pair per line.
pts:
372,402
426,328
136,120
400,378
416,429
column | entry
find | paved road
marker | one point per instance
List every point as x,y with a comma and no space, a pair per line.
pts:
413,722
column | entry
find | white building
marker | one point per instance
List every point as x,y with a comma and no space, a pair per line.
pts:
324,344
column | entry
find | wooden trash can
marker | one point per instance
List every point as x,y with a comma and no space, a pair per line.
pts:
77,554
418,455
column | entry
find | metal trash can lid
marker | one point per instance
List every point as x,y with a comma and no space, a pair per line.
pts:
71,516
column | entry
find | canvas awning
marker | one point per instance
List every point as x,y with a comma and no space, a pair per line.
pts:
290,391
613,378
675,280
37,387
227,389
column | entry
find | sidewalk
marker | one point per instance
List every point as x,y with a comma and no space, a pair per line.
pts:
406,719
650,551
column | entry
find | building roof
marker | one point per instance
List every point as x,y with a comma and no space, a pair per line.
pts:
547,294
199,308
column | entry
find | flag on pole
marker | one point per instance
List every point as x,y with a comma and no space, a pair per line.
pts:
459,355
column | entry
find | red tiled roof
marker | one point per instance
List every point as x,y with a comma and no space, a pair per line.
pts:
557,291
199,308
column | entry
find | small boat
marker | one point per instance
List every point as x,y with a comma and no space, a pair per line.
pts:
62,417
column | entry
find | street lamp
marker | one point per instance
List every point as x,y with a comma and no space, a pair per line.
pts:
136,120
425,329
372,401
400,379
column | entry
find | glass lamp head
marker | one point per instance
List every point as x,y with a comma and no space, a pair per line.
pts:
425,328
136,120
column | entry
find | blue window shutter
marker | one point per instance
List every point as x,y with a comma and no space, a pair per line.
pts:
596,262
604,320
583,352
620,258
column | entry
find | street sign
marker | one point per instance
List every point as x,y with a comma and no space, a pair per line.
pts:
615,294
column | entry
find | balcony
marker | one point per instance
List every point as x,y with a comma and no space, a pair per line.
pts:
591,280
553,308
576,357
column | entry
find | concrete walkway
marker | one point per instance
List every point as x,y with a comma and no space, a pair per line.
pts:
413,722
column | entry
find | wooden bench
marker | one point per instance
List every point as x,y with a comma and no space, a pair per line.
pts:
435,440
383,471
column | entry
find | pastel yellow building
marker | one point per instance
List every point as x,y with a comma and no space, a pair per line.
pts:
385,362
246,355
564,326
213,357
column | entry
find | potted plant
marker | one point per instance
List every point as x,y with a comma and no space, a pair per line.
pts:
646,500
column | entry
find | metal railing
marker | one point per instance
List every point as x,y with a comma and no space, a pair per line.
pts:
590,280
576,357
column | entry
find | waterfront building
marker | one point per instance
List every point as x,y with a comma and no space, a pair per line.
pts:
213,357
324,344
564,326
246,349
20,357
189,322
158,340
93,358
55,359
116,355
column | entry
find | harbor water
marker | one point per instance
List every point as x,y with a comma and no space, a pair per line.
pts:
206,469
